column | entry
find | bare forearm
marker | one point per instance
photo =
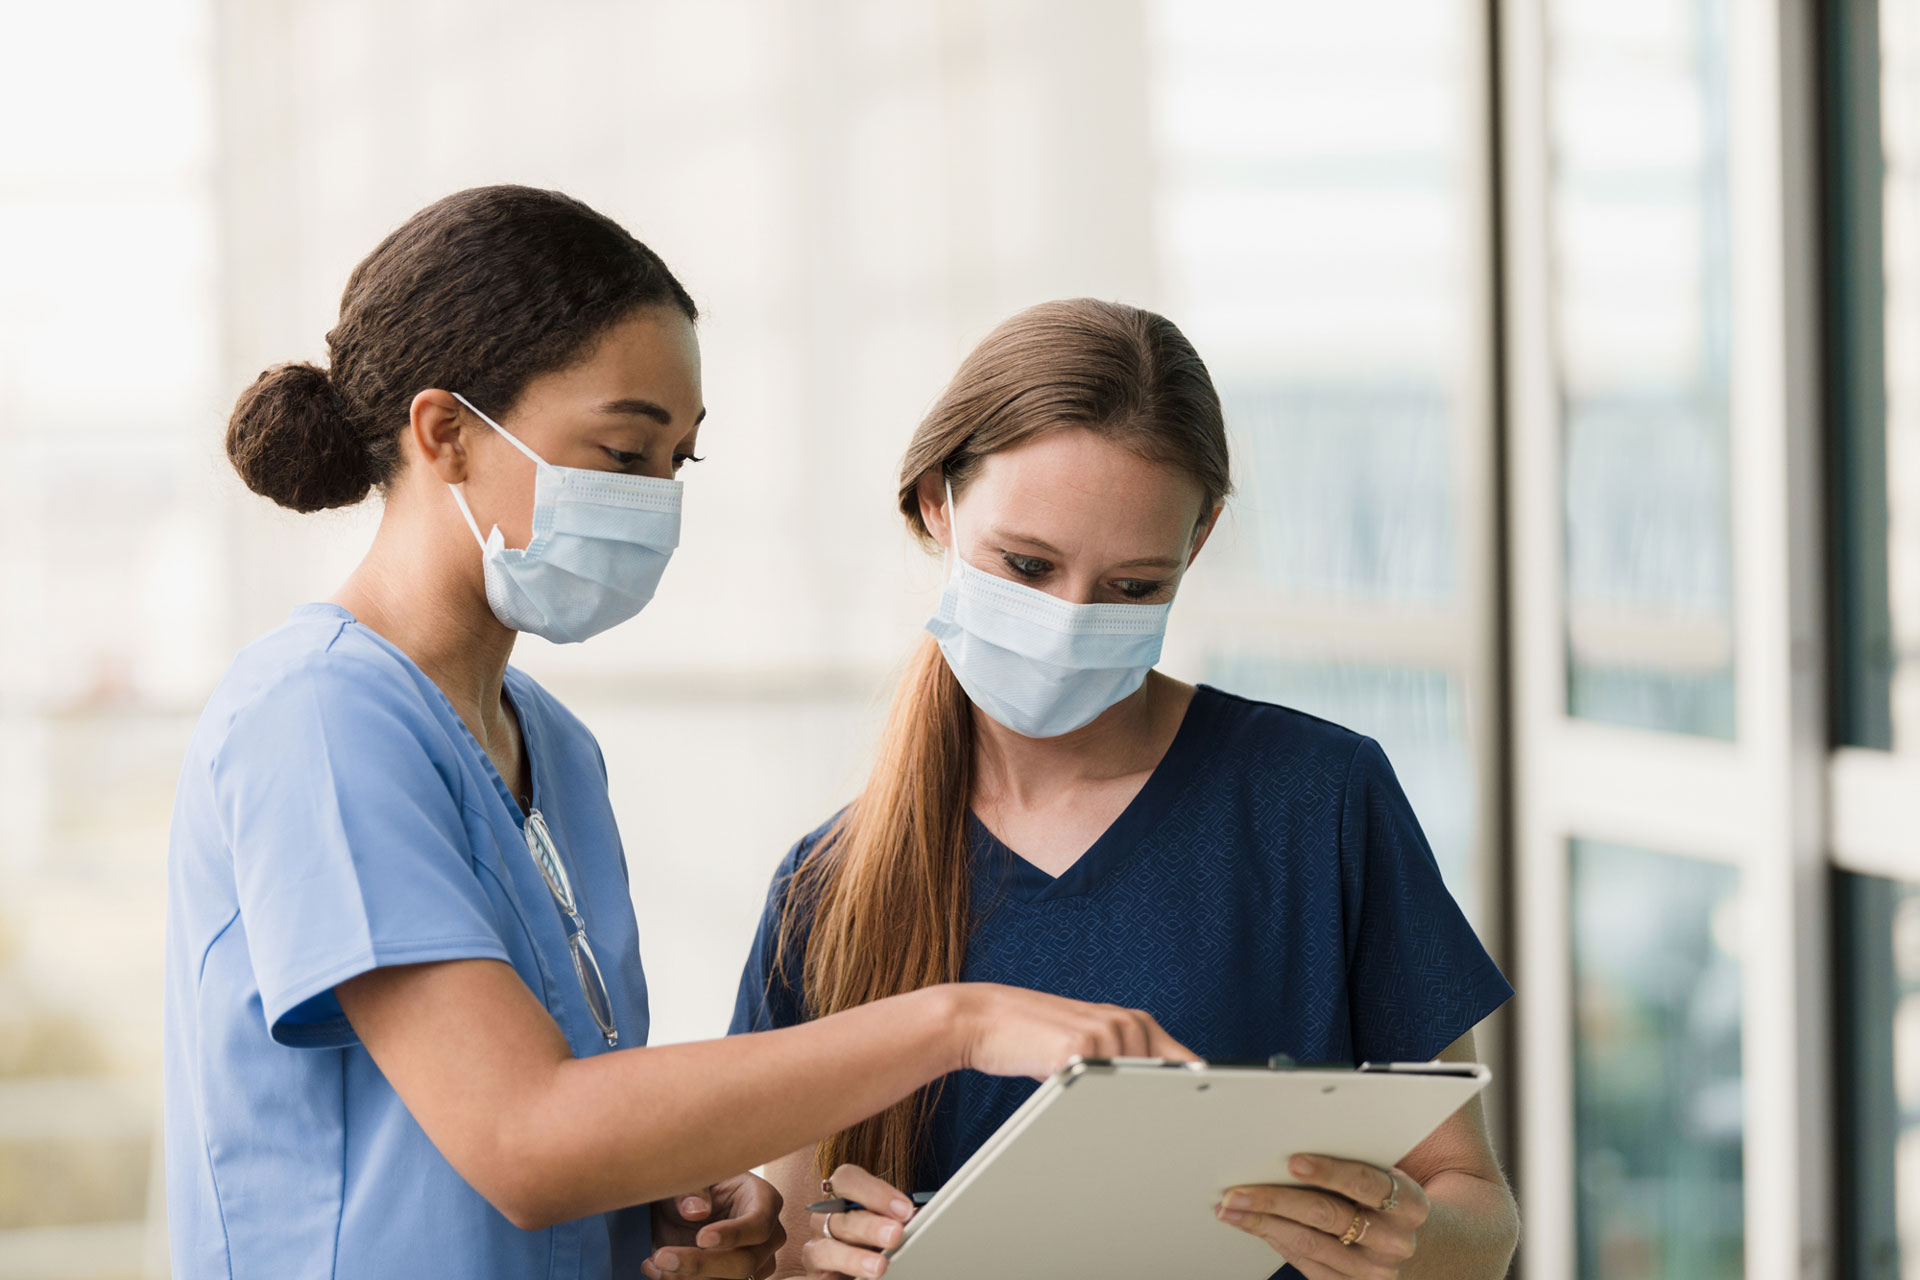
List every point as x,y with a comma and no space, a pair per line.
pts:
1471,1233
546,1137
624,1128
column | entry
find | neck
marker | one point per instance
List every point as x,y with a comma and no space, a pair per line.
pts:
1127,738
423,591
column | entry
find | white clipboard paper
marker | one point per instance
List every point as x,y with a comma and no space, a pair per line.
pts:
1112,1168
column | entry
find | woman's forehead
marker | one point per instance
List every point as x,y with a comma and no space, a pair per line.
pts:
1071,484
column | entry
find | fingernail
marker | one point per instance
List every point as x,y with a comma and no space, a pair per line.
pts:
871,1266
903,1208
1302,1167
692,1205
1239,1200
1231,1217
667,1262
890,1235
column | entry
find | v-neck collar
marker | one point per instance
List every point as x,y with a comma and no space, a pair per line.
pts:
514,701
1192,744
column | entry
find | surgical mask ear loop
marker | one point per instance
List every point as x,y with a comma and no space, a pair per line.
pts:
953,531
467,511
459,490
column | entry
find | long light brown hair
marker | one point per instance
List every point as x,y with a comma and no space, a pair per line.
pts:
881,904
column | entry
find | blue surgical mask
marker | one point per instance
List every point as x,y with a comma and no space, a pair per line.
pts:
1040,665
600,542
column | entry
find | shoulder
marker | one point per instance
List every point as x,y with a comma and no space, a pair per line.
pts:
817,841
328,662
799,854
322,685
1262,736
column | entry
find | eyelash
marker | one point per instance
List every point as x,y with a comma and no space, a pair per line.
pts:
1033,568
624,459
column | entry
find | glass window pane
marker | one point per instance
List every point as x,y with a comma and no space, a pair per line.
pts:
1316,186
1641,312
1315,241
1873,86
1658,1110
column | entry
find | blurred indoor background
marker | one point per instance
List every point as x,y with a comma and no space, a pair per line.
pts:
1572,352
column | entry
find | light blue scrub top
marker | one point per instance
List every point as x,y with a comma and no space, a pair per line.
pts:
334,815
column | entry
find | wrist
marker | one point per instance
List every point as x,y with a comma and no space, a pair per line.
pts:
950,1010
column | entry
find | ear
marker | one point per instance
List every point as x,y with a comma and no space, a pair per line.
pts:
932,492
435,426
1203,532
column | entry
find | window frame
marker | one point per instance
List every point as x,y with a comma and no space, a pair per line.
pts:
1757,803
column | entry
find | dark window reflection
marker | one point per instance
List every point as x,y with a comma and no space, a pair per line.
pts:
1879,1016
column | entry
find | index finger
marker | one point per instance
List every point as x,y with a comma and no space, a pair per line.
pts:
852,1182
727,1263
1361,1183
1162,1045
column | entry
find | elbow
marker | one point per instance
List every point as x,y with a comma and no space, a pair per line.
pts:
528,1217
520,1201
521,1180
1509,1227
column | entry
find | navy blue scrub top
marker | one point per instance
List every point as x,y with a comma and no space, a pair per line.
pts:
1268,891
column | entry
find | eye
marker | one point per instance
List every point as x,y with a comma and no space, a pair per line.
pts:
682,459
1026,566
1138,588
624,460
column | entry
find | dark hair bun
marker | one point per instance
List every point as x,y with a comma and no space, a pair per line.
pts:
478,293
291,439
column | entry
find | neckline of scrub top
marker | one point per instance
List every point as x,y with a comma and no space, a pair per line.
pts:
1190,748
514,702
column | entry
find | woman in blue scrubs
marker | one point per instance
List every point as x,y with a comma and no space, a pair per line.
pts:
1047,810
404,1001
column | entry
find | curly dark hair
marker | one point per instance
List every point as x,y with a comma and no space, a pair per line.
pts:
479,293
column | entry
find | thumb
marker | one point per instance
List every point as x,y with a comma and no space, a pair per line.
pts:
695,1205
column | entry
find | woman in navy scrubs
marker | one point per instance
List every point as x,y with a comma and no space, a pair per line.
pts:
405,1012
1048,811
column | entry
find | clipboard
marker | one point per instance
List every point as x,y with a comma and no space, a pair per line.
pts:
1112,1167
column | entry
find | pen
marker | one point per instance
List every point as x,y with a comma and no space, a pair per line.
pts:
854,1206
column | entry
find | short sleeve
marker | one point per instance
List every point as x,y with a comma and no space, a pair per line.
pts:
768,1001
1417,977
339,799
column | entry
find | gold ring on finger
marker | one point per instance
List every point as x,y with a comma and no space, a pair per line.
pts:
1355,1230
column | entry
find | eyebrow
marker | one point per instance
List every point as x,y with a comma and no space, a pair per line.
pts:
1039,544
646,409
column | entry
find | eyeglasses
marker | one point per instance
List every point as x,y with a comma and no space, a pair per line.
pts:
546,856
